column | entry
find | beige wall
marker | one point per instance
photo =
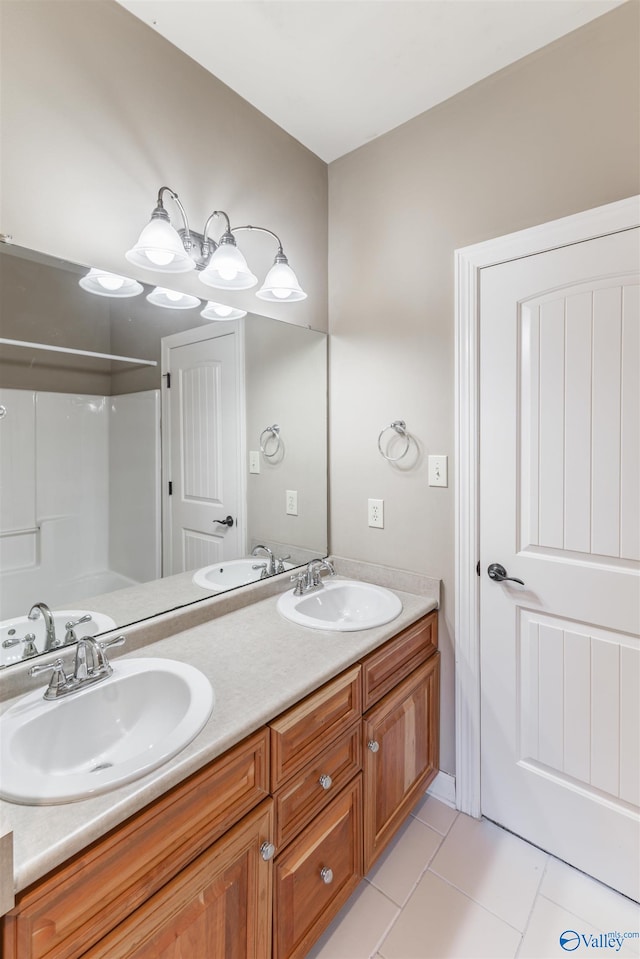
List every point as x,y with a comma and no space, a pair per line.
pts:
553,134
286,383
99,111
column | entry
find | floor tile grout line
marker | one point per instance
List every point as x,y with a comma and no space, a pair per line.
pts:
415,884
475,901
533,905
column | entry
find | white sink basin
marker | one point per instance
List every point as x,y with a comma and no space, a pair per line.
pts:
21,626
103,736
341,604
235,572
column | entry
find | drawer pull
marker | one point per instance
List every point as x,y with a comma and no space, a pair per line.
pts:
326,875
326,781
267,851
373,745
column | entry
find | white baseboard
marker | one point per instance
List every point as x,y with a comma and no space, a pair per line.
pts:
443,788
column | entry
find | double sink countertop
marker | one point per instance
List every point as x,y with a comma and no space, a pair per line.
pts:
258,663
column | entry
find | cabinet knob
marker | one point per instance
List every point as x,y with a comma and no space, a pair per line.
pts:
267,851
326,781
373,745
326,875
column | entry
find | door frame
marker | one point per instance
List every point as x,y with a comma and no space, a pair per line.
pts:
186,338
469,261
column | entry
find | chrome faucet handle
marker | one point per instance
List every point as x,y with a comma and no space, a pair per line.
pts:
59,680
107,644
300,579
29,649
280,561
70,635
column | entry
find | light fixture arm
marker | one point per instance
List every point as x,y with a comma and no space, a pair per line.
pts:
162,213
280,257
206,239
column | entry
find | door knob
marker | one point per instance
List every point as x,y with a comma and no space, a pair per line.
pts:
499,574
225,522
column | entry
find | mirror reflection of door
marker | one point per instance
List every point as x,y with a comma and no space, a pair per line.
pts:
201,449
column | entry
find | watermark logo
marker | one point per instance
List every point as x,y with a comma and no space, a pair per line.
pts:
570,940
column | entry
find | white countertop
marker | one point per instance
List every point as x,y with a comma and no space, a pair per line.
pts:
258,663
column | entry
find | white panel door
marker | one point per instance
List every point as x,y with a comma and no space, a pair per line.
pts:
204,468
560,498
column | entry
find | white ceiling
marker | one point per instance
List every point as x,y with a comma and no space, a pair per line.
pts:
337,73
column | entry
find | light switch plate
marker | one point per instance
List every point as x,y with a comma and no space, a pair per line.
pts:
254,461
438,471
292,502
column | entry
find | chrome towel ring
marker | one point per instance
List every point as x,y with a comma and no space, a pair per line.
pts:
400,428
274,434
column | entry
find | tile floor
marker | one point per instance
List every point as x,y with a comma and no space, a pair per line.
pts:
452,887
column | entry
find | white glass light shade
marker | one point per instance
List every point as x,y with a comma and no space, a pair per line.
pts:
160,249
218,311
172,300
109,284
227,270
281,285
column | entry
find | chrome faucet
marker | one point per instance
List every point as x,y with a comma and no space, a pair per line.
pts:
271,568
41,609
310,578
90,666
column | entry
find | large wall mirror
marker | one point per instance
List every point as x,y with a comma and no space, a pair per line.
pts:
127,492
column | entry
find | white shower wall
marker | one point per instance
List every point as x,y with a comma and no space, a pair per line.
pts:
85,537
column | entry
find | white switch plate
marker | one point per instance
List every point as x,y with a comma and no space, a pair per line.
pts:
438,471
254,461
376,513
292,502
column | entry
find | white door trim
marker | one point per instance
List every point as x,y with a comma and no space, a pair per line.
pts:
469,261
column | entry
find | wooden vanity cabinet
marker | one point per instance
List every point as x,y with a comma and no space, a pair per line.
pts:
69,911
186,878
316,874
400,732
219,907
317,789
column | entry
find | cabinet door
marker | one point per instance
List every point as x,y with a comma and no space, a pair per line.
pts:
401,739
219,907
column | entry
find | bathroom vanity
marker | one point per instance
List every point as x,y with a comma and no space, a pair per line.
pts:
258,833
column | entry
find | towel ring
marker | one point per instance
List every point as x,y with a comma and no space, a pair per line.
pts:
401,429
274,432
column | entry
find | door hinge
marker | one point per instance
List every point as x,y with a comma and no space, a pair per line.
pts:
170,488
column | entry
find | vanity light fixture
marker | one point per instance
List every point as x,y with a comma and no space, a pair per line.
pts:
160,247
220,264
109,284
172,300
218,311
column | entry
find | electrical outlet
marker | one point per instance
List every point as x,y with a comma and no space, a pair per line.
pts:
292,502
376,513
254,461
438,471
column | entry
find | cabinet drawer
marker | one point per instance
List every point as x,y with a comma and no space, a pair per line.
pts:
303,796
388,666
305,899
302,733
79,903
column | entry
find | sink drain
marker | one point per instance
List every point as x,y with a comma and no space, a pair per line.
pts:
100,766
